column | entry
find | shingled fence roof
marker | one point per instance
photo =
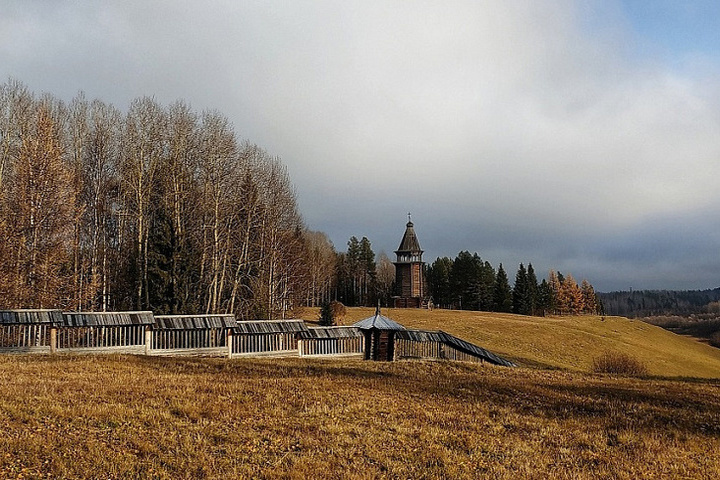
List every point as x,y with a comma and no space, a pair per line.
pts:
456,343
195,322
270,326
106,319
330,332
26,317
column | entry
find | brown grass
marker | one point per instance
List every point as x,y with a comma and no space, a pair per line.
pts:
619,364
138,417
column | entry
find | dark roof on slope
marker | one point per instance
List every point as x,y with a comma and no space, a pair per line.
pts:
270,326
456,343
195,322
409,241
378,321
106,319
9,317
331,332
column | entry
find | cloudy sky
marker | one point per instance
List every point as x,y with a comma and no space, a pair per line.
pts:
580,135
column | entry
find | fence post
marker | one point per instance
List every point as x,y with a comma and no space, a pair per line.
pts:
300,347
229,343
53,339
148,340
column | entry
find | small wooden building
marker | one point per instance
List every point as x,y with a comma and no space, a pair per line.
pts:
334,341
266,337
193,334
105,332
379,332
28,330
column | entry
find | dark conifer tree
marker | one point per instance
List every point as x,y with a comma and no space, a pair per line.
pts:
438,278
522,303
502,297
464,281
532,289
486,282
545,300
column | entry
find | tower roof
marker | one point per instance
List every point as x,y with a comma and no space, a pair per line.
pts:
410,241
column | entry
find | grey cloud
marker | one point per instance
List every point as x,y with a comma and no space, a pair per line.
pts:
528,131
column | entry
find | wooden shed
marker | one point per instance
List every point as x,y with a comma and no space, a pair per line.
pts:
379,332
192,334
334,341
105,332
266,337
28,330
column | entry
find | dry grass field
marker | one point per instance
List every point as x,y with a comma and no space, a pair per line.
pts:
569,343
137,417
149,417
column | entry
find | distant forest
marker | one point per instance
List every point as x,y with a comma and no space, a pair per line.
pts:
647,303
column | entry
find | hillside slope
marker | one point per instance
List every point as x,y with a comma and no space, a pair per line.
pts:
561,342
106,416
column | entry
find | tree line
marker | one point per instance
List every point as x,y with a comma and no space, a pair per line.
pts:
159,207
469,283
466,282
645,303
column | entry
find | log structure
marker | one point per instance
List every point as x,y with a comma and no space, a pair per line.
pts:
409,266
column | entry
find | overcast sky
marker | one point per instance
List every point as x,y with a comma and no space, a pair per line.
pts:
580,135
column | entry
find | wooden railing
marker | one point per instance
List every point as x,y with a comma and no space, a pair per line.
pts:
264,344
353,346
101,337
25,337
173,339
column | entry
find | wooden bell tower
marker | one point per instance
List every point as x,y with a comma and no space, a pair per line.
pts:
409,281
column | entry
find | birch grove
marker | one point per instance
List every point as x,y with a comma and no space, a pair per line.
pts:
156,208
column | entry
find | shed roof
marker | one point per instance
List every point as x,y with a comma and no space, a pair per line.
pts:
379,322
331,332
27,316
270,326
195,322
107,319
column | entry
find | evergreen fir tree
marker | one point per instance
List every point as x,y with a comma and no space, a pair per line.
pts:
326,315
522,303
532,283
502,295
546,300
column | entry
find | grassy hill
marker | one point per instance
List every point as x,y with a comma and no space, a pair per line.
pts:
149,417
561,342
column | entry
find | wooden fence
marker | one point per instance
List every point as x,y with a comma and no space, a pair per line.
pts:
27,331
25,338
331,341
192,335
49,331
266,338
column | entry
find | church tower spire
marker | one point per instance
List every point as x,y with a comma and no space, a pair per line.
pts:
409,281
